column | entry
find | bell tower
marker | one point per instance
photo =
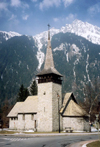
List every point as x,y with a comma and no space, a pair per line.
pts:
49,87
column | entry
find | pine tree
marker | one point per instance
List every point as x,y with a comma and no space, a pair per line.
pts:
23,93
33,88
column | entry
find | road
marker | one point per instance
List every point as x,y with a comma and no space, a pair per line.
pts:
43,141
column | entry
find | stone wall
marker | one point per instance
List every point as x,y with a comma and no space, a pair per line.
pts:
76,123
23,122
56,104
13,123
48,106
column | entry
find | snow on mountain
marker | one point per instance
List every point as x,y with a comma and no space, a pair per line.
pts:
42,38
8,35
83,29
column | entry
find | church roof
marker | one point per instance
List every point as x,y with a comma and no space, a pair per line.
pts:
15,109
70,106
49,63
30,105
50,70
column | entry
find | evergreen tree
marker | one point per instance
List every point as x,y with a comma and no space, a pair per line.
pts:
23,93
33,88
26,93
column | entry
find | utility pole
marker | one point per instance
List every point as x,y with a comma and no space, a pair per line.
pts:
58,110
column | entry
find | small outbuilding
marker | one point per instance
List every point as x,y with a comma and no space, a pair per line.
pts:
73,115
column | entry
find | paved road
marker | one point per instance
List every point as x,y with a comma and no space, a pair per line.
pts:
46,141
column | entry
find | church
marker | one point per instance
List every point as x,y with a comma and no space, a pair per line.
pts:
46,112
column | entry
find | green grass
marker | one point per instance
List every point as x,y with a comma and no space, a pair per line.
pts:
40,132
8,132
13,132
94,144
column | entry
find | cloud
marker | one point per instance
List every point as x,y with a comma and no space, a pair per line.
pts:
55,19
49,3
25,17
67,2
71,17
34,0
3,6
25,5
15,3
94,9
18,3
12,17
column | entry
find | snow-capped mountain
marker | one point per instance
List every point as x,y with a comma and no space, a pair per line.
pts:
76,53
7,35
42,38
83,29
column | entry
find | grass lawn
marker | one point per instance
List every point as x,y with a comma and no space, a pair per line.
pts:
94,144
13,132
7,132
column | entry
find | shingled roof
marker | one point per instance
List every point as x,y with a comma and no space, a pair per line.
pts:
50,70
70,106
30,105
15,109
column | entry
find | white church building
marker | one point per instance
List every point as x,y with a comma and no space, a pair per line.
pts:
46,112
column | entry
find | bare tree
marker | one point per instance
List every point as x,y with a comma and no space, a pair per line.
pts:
91,98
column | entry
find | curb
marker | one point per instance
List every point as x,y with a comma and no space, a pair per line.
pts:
81,144
88,142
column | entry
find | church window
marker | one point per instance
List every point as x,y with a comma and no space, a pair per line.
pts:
32,116
23,116
15,118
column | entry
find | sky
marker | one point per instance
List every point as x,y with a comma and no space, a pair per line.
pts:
31,17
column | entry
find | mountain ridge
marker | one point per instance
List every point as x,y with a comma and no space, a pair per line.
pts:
22,57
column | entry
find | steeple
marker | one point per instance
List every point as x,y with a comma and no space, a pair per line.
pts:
49,63
49,73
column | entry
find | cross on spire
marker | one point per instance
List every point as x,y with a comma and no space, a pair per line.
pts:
48,26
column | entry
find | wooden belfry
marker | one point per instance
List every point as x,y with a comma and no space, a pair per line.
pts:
49,73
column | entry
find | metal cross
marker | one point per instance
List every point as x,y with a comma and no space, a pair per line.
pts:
48,26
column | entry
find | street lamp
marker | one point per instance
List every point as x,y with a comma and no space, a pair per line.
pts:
58,110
